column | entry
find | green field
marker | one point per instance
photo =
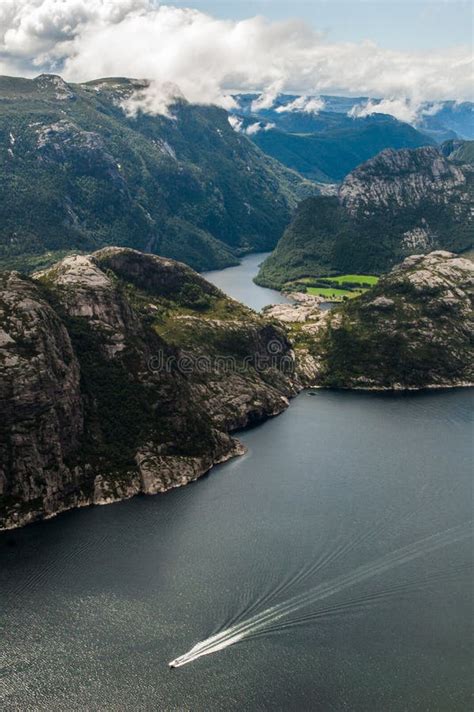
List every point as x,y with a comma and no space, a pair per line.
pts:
346,286
341,279
334,295
355,279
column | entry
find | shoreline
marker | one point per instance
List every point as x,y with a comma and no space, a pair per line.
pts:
135,487
394,389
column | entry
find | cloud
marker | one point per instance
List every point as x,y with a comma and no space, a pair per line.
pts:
257,127
33,31
410,111
237,124
306,104
401,109
153,98
268,97
208,58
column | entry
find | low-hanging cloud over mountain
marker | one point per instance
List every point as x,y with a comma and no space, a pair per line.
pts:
304,104
405,109
206,58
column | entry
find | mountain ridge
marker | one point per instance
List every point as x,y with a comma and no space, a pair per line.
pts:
396,204
124,373
79,171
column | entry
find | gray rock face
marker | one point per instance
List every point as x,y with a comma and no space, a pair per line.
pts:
55,84
394,179
42,417
123,373
304,307
65,143
419,189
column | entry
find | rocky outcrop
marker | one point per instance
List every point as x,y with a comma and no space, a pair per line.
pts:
459,151
122,373
413,330
399,203
394,180
302,308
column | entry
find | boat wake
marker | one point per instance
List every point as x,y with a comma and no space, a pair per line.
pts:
269,618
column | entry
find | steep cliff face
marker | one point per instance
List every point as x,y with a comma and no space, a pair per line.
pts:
395,180
42,418
397,204
124,373
412,330
79,170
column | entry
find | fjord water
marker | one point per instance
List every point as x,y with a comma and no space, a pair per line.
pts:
94,604
238,283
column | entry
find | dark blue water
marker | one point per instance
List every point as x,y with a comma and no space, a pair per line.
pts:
94,604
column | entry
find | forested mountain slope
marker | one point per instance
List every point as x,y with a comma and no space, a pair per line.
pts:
78,171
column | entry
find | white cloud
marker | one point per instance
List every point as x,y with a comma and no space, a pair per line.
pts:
408,110
238,125
253,128
35,29
268,97
306,104
257,127
207,58
401,109
154,98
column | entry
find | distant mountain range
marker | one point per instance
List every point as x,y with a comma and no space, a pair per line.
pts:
77,173
400,203
322,140
442,120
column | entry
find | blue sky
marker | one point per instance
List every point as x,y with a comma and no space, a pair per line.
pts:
395,24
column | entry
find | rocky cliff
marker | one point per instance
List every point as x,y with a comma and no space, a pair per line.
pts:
394,205
395,180
121,373
412,330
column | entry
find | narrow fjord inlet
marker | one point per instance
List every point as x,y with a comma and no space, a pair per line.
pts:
296,548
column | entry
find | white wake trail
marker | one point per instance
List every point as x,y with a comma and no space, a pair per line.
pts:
268,617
